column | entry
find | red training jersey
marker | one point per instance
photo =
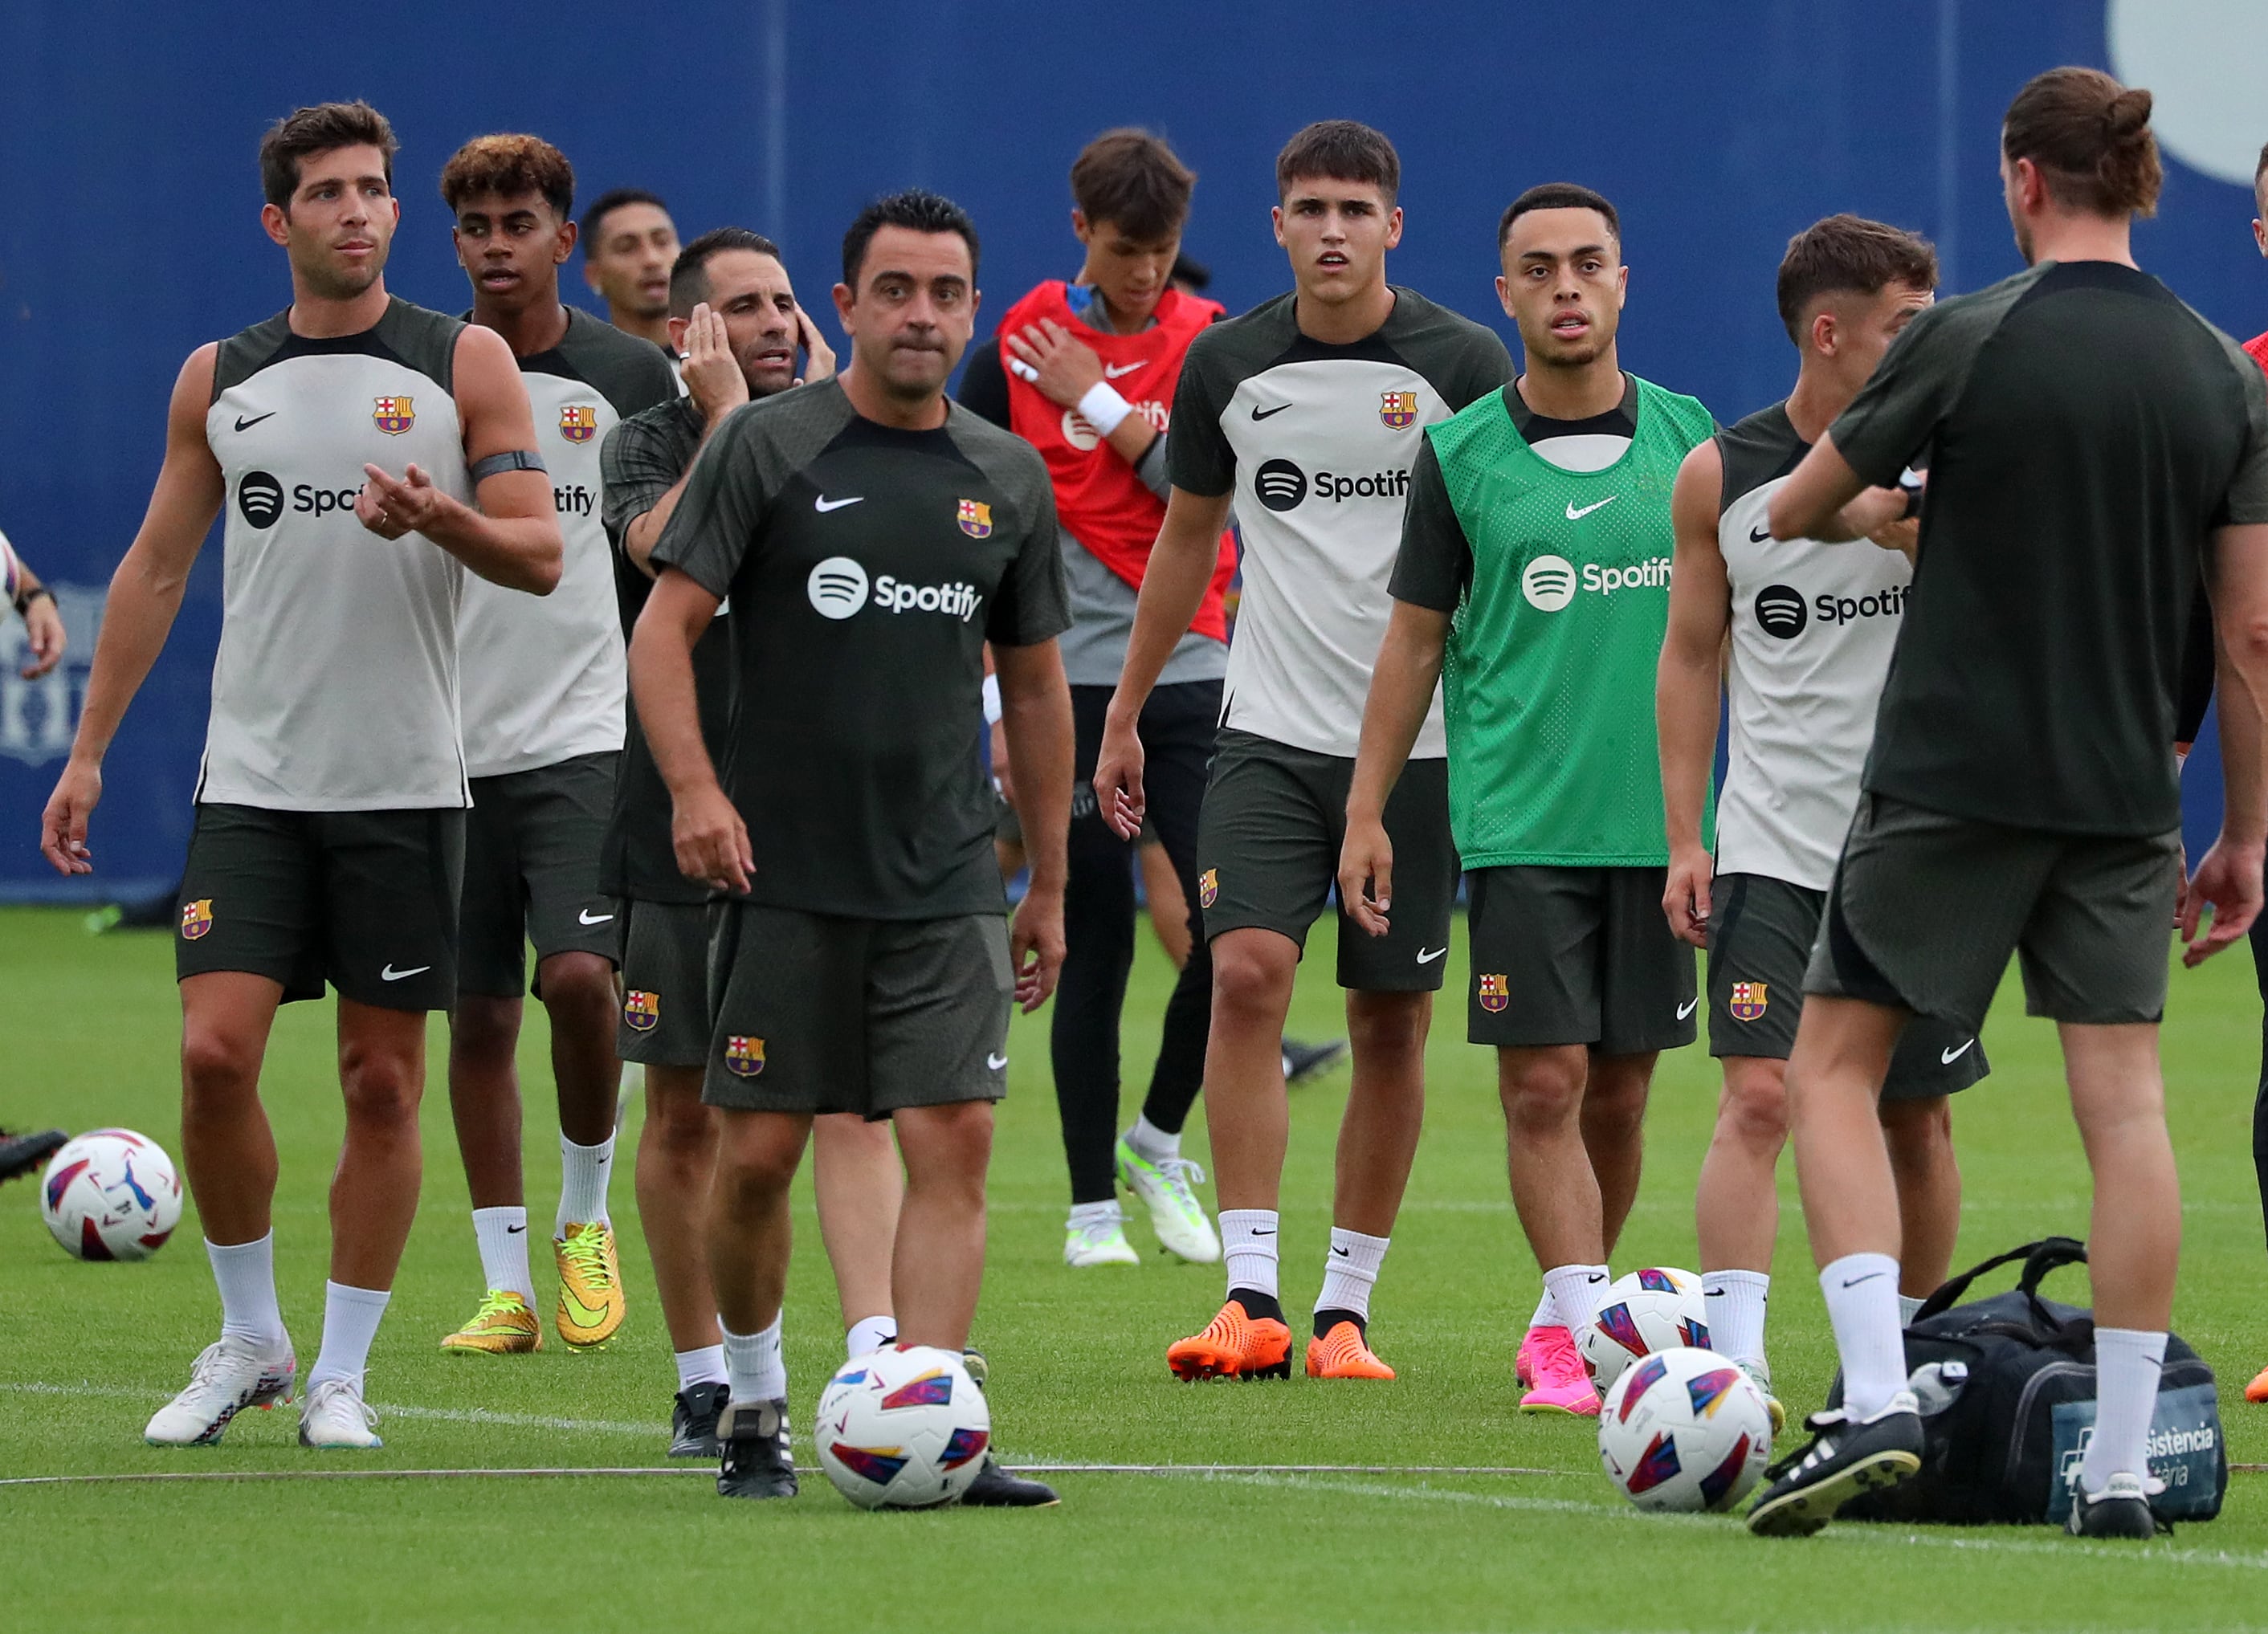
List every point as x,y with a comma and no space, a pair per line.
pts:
2257,348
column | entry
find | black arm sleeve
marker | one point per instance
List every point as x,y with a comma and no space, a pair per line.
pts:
1435,564
984,384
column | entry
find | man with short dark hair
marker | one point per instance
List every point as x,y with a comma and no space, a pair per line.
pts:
2089,440
1304,414
873,537
629,245
1532,587
544,689
329,836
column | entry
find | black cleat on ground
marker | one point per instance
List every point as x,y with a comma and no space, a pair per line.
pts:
1844,1459
693,1421
756,1462
22,1154
1304,1062
994,1488
2122,1509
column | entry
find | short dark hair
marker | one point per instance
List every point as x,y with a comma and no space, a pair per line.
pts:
688,273
1849,252
2260,169
1557,195
916,209
506,166
2090,137
322,128
1343,149
1189,270
614,199
1132,179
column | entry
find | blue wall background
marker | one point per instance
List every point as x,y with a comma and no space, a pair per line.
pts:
129,201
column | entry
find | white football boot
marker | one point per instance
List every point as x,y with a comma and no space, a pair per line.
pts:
1099,1242
1176,1214
231,1375
335,1415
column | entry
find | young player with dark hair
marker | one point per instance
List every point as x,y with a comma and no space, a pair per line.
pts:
873,537
329,833
1305,413
629,245
1532,587
1811,626
544,692
2093,445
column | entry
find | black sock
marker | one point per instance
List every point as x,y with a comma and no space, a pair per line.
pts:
1331,1317
1257,1305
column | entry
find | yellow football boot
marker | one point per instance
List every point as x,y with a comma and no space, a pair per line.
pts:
503,1326
590,1285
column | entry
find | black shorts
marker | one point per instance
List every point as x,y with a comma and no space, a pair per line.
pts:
817,1012
1576,956
1760,932
365,900
665,984
1925,909
532,843
1268,856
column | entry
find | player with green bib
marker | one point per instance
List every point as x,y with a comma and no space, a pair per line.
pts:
1534,581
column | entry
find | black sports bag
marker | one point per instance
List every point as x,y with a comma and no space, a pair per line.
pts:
2008,1392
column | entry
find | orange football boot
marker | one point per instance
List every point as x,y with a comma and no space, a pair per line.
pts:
1233,1345
2256,1392
1342,1353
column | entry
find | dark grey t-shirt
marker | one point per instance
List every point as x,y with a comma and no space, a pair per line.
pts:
868,567
2085,432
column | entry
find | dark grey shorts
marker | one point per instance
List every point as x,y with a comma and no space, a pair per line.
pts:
1576,956
532,843
1761,932
665,984
821,1014
1926,909
1268,856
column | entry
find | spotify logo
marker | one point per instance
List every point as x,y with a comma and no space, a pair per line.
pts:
1549,582
1780,612
837,587
260,497
1281,484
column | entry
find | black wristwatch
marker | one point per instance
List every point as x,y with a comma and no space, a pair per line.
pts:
25,599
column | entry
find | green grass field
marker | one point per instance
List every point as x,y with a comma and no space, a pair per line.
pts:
87,1352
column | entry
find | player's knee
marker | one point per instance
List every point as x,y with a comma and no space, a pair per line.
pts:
758,1158
482,1029
1918,1133
382,1088
680,1124
1541,1088
216,1067
576,984
1251,981
948,1146
1754,1110
1385,1025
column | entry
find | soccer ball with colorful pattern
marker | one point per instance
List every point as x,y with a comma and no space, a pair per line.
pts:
1684,1428
1641,1313
902,1429
110,1195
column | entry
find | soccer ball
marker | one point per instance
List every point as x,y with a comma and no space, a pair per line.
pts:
110,1195
902,1429
1644,1312
1684,1428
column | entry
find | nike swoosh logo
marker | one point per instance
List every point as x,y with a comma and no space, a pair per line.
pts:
1949,1057
1342,1253
824,504
996,1062
1259,412
1573,514
1852,1282
391,974
1266,1232
1757,535
1114,371
514,1231
1424,958
1592,1277
587,918
1687,1008
243,424
583,1316
1714,1294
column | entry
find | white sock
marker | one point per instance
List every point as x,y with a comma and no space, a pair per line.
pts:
1735,1300
349,1324
1349,1268
754,1365
245,1275
1153,1142
2127,1362
1248,1241
1575,1290
503,1236
1546,1312
582,1171
1085,1214
705,1366
870,1334
1862,1303
1907,1306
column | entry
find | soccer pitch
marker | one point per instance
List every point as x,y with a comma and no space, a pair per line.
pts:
87,1352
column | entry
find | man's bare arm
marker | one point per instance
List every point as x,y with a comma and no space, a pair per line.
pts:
1400,692
2228,876
710,841
1687,685
1036,719
1826,500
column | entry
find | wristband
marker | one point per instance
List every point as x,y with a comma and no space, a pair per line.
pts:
991,700
24,602
1103,409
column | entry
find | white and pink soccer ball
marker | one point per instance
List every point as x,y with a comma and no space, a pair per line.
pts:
1642,1312
1684,1428
902,1429
110,1195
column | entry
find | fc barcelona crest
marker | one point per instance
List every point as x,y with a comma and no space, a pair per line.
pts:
579,423
641,1011
1495,992
976,519
1397,410
1750,1000
1208,888
393,416
196,918
744,1058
